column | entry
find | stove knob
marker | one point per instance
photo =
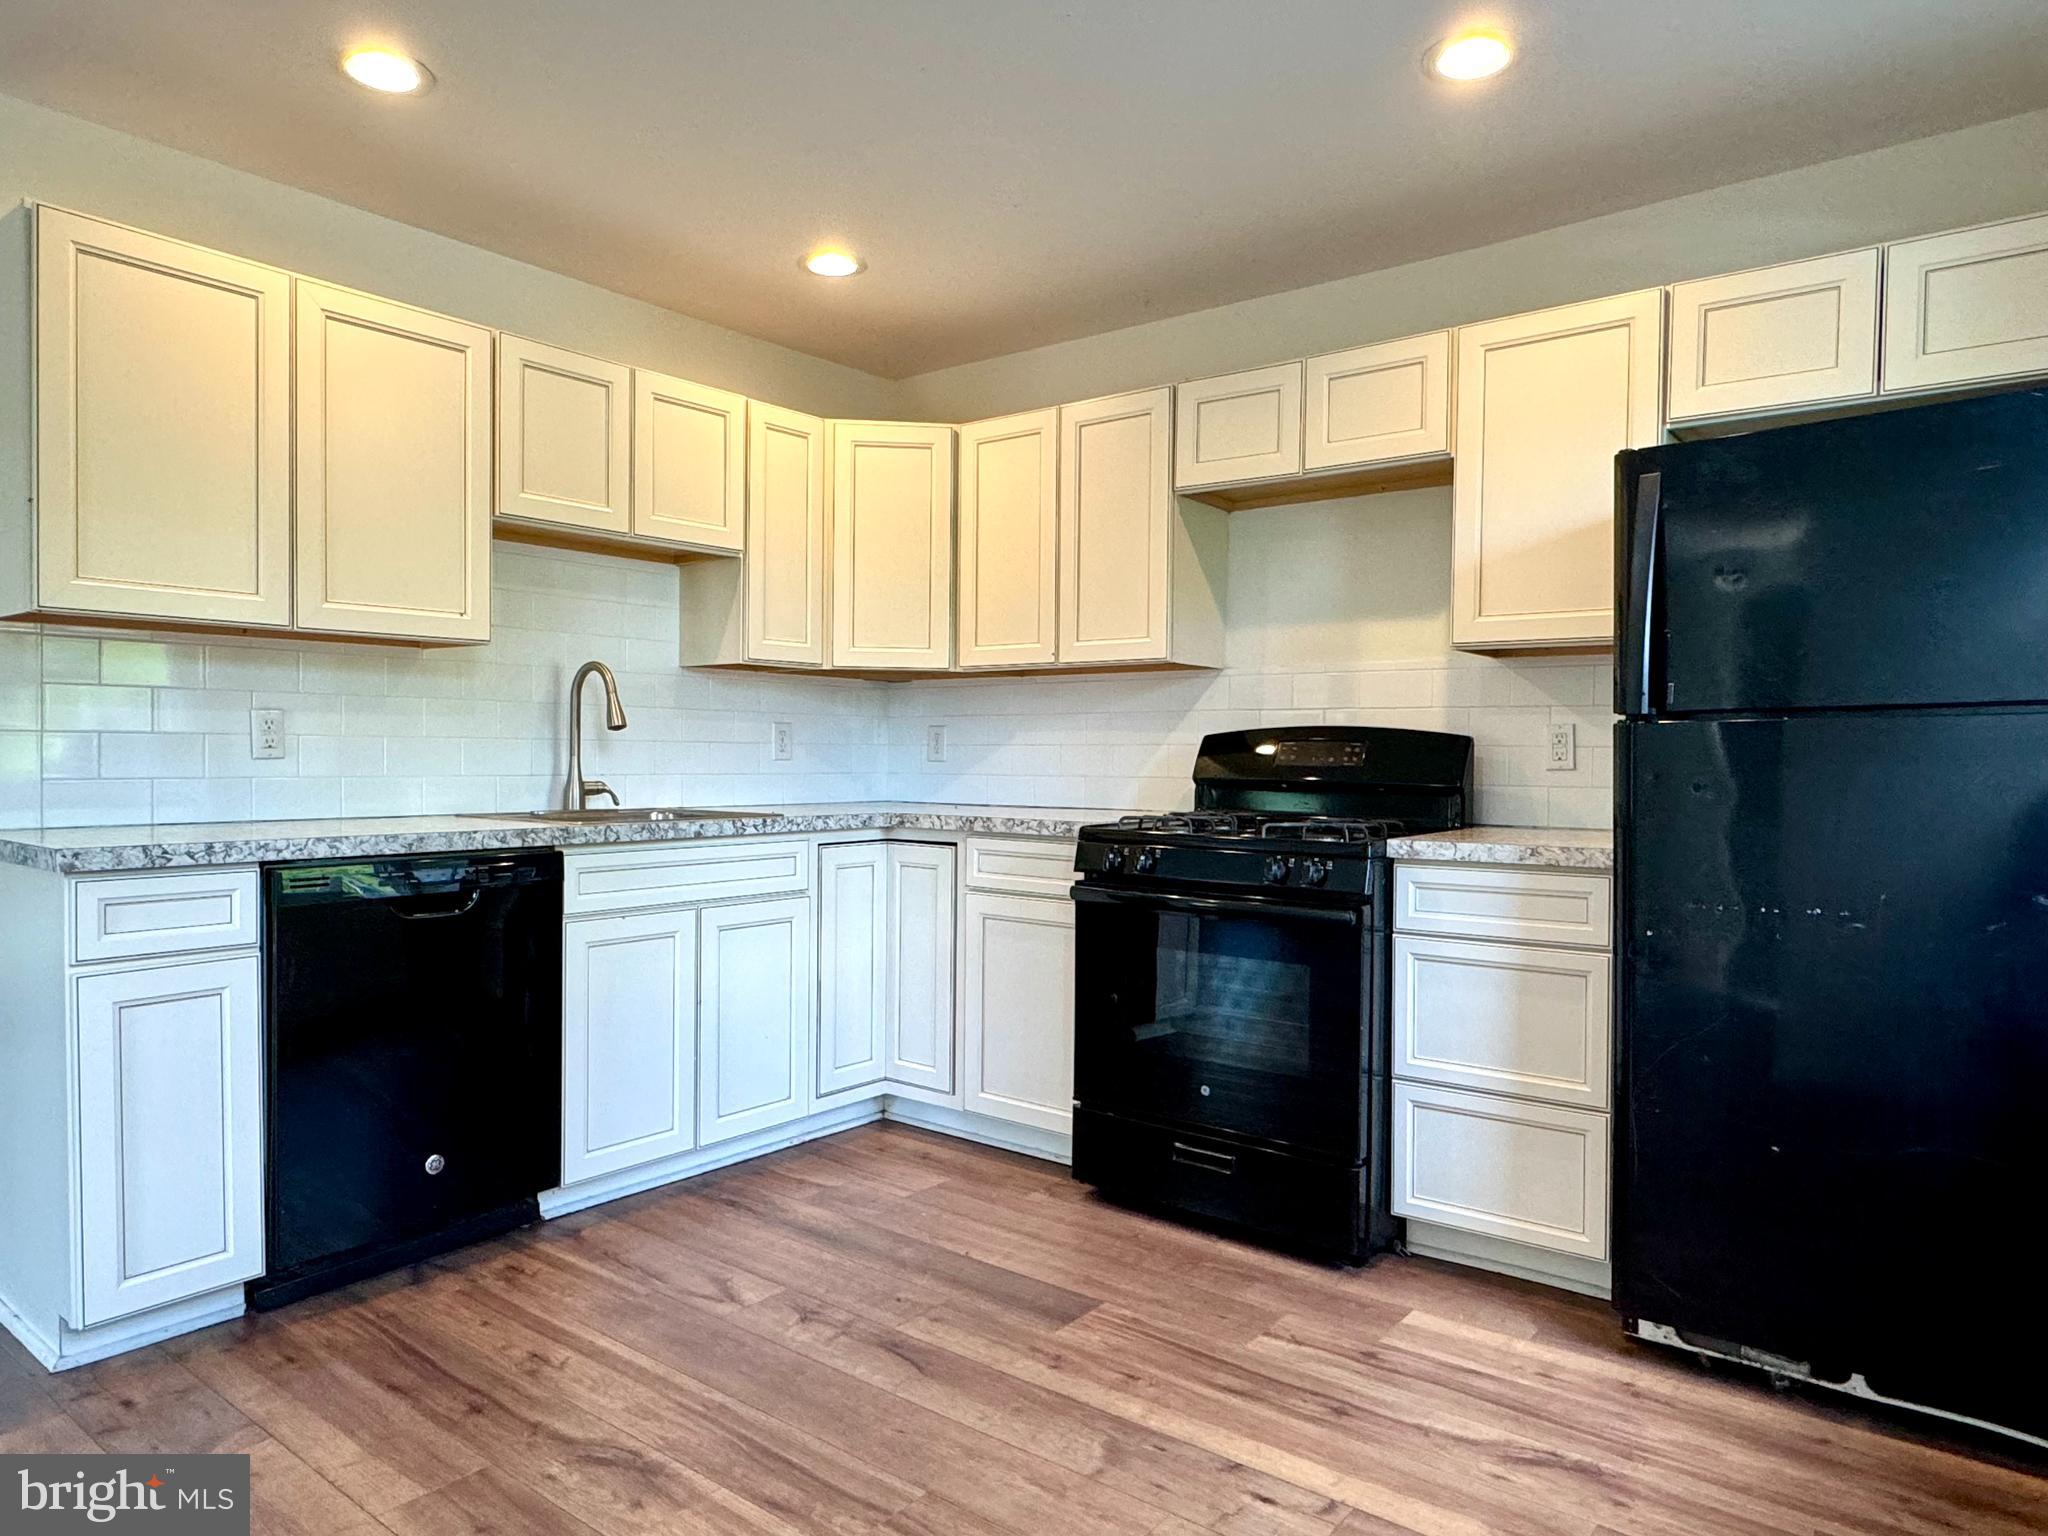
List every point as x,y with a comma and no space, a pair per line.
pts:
1112,859
1148,860
1315,872
1276,870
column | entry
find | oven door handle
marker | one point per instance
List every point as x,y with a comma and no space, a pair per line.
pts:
1234,906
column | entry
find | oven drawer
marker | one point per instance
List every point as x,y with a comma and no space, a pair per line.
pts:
671,874
1306,1202
1528,1173
1020,867
127,917
1478,902
1502,1018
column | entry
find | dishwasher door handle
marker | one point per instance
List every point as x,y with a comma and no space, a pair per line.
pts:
416,917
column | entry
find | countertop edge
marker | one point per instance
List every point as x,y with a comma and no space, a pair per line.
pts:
1541,847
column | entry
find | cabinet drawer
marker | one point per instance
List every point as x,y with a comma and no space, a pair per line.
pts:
671,873
1505,1018
125,917
1026,868
1528,1173
1480,903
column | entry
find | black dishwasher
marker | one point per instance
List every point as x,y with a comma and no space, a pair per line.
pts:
414,1010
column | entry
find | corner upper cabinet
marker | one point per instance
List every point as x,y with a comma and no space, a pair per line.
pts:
1800,334
767,609
689,463
1382,404
393,457
564,437
1238,427
1967,307
1142,575
892,546
1545,401
162,412
1006,592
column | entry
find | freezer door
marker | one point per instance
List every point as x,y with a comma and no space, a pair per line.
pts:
1893,559
1832,1130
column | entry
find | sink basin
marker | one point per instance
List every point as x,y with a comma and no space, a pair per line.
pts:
632,816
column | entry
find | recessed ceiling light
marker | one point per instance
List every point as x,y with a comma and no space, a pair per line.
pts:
1471,56
383,70
832,262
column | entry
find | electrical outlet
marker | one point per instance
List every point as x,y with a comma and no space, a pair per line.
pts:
780,745
266,733
935,743
1564,748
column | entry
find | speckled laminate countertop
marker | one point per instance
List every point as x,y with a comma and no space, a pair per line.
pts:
1555,847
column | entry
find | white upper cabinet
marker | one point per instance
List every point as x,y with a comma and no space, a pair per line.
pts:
853,965
785,564
564,437
1006,594
689,462
1141,575
163,428
1241,426
629,1041
1804,333
753,1016
1967,307
1379,404
1545,401
892,545
393,453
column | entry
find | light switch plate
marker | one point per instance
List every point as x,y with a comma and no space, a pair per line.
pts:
266,733
935,743
1564,748
780,746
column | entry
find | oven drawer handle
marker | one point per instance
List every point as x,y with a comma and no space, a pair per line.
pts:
1204,1159
1247,906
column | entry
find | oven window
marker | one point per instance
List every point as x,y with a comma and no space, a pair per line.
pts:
1242,1021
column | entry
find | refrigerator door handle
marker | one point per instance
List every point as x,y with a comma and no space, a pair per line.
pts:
1642,583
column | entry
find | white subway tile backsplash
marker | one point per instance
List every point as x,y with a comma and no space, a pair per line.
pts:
294,799
70,755
152,755
229,666
95,802
199,709
173,800
152,663
68,659
94,707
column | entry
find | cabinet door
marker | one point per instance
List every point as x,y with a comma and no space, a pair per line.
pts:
1502,1018
892,545
689,462
393,451
163,427
629,1041
1545,401
785,608
1009,540
1018,1021
169,1097
921,883
1967,306
1529,1173
1378,404
563,436
753,1016
1116,527
1798,334
1242,426
853,965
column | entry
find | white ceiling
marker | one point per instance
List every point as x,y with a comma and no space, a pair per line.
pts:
1016,171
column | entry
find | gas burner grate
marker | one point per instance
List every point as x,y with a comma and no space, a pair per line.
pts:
1210,823
1329,829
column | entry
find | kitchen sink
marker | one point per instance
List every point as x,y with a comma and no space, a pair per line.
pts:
632,815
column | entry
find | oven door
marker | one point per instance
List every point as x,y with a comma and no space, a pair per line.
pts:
1237,1014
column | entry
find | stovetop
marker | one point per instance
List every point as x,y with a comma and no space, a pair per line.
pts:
1330,855
1333,835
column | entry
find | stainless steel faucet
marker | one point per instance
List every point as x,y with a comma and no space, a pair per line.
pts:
576,792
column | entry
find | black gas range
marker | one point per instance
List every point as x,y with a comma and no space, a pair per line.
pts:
1231,982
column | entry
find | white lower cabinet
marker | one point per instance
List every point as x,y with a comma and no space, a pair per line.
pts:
753,1016
920,989
1018,1008
629,1041
169,1096
853,965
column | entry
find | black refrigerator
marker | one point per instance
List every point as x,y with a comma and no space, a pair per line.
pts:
1831,1145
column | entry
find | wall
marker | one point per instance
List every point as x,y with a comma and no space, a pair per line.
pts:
156,728
48,157
1339,612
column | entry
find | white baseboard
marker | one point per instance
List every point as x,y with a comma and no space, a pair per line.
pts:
1053,1146
73,1347
631,1181
1589,1277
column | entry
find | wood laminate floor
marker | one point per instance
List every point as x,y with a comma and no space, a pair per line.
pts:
893,1334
